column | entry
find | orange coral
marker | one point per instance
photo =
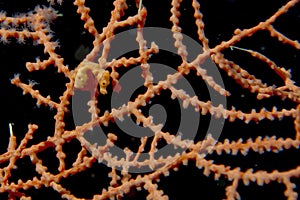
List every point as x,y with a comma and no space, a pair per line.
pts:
50,132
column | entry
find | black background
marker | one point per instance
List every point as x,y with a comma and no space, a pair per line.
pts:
221,18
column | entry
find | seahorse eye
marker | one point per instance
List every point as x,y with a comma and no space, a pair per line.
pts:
103,83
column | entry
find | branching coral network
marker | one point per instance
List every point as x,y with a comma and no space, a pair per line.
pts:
59,139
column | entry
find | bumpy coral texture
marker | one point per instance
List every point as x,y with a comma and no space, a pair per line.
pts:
225,163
